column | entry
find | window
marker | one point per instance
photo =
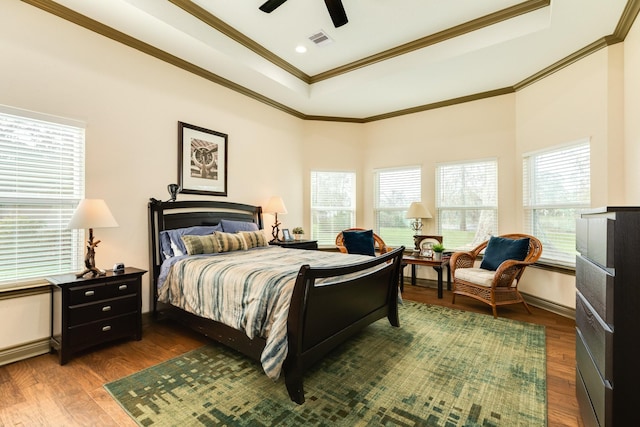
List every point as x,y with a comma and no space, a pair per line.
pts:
41,183
395,189
556,186
467,202
333,204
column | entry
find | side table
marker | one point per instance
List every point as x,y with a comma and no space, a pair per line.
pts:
437,265
89,311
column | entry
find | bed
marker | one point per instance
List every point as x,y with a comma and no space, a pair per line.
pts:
320,300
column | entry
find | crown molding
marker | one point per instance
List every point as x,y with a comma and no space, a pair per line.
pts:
439,37
218,24
120,37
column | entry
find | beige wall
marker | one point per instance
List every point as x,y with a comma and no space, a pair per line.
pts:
329,146
573,104
632,115
132,103
474,130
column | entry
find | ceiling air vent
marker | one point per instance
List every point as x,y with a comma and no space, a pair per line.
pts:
320,38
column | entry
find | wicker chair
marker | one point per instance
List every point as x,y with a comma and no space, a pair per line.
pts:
495,288
379,244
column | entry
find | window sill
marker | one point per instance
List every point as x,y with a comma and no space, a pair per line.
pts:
24,289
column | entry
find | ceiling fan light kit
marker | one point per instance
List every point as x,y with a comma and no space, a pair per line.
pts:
335,8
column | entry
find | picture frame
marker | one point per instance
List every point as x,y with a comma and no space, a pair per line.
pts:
286,235
202,160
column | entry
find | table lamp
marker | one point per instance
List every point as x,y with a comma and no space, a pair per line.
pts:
417,211
275,206
92,213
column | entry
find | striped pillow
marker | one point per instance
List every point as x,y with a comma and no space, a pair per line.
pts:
230,241
207,244
254,239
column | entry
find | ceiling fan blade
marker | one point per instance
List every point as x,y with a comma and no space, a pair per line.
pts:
271,5
337,13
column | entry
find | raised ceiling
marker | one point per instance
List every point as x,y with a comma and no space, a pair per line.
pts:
392,57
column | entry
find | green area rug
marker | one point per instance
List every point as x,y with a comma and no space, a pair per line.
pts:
442,367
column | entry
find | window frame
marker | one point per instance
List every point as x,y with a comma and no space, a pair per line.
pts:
403,237
41,201
530,204
352,209
465,209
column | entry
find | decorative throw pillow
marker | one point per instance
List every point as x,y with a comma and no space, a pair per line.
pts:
230,241
230,226
254,239
207,244
172,244
500,249
359,242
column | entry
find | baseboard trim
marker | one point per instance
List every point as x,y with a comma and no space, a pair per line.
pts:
544,304
24,351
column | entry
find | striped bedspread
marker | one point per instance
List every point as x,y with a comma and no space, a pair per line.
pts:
247,290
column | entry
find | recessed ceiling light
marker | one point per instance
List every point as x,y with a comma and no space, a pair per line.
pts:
301,49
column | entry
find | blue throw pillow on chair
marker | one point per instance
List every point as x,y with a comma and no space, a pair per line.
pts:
500,249
359,242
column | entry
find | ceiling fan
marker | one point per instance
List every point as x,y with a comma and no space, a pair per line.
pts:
335,8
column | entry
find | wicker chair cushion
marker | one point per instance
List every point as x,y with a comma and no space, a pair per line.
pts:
359,242
477,276
500,249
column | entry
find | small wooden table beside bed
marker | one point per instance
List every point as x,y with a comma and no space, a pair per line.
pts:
213,270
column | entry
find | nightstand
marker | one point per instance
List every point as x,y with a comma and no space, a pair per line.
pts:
89,311
297,244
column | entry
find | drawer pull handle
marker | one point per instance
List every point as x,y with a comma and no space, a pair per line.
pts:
106,308
122,287
106,328
89,293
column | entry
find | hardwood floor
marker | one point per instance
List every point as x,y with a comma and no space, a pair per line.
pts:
38,391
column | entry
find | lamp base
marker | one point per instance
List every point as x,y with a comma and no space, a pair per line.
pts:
95,272
90,258
416,241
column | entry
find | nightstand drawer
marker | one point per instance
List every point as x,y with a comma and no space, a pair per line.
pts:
84,313
102,331
100,291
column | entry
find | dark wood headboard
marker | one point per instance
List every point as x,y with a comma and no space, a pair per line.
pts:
172,215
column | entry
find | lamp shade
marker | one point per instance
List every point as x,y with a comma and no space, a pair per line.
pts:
275,205
92,213
418,210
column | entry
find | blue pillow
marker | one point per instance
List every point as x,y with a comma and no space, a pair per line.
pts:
171,243
229,226
359,242
500,249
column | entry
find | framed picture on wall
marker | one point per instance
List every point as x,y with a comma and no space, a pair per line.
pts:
202,160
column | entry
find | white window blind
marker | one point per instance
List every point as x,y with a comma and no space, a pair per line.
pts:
333,204
395,189
467,202
556,186
41,183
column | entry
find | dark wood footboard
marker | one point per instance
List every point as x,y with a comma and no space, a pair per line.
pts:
322,316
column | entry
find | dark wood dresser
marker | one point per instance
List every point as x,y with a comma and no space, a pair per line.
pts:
94,310
608,315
